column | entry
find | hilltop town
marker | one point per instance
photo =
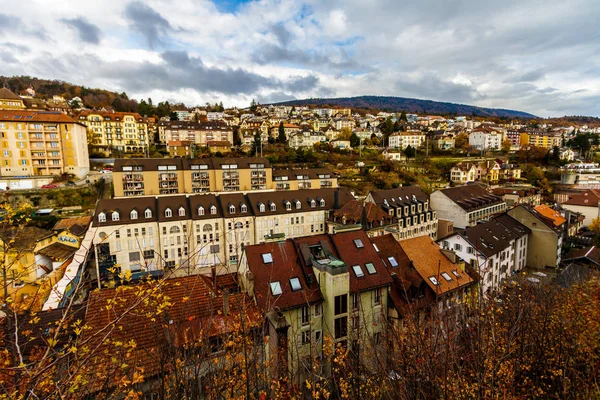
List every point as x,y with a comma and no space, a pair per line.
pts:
280,251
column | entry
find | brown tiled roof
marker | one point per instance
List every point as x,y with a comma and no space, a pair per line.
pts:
24,237
551,214
236,200
589,198
206,201
358,212
284,267
174,203
179,143
35,116
220,143
8,95
429,261
399,195
334,198
193,313
591,254
124,207
74,225
493,236
471,197
110,115
351,255
58,251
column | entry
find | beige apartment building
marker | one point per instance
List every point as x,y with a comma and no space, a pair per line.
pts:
37,143
151,177
195,233
119,132
199,133
10,101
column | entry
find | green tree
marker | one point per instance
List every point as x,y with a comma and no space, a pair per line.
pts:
506,144
253,106
409,152
281,136
403,117
354,140
173,116
257,145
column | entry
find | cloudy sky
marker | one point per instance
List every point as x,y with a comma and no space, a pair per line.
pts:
539,56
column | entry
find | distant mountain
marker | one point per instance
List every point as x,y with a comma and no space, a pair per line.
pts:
398,104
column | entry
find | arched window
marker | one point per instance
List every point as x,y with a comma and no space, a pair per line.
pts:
322,202
181,212
102,235
101,217
115,216
288,205
213,210
298,204
261,207
148,213
207,228
238,225
232,209
168,213
200,210
133,214
273,207
174,229
243,208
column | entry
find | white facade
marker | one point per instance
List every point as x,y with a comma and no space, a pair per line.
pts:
485,140
405,139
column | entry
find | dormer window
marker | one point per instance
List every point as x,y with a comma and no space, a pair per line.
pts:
181,212
273,207
261,207
148,213
231,209
243,208
298,205
133,214
313,204
101,217
288,205
213,210
200,210
115,216
322,202
168,213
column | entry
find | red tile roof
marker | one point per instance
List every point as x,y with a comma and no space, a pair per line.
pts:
35,116
551,214
590,198
174,311
284,267
354,211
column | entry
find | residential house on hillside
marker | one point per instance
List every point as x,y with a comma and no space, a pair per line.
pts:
485,138
308,288
586,203
412,209
367,216
545,241
494,250
401,140
515,195
424,278
463,172
466,205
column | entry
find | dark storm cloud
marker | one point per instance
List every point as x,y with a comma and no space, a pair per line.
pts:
87,31
432,87
148,23
336,58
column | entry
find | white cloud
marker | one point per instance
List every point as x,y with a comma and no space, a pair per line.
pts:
540,57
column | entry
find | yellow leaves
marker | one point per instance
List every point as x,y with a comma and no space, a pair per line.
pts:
52,342
73,349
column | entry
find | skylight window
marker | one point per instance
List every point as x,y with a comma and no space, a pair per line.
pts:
455,273
446,276
358,271
393,262
295,284
358,243
276,288
267,258
376,248
434,280
370,268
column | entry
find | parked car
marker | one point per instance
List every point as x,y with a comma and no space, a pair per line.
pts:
50,186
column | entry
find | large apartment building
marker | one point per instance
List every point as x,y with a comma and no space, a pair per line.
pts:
150,177
539,138
199,133
401,140
116,131
466,205
10,101
192,233
321,286
37,143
